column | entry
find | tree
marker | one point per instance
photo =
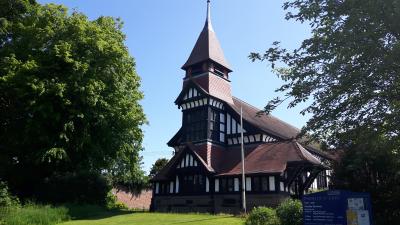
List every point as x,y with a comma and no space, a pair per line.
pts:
157,166
349,68
371,163
69,96
349,72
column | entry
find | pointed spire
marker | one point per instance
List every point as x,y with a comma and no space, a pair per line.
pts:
207,46
208,20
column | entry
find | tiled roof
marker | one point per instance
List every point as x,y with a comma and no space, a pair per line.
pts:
207,47
267,123
265,158
259,159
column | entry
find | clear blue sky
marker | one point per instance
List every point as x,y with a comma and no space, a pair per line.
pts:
161,35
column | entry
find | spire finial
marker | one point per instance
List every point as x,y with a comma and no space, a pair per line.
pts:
208,20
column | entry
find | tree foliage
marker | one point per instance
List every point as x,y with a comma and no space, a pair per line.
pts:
69,95
349,73
371,163
157,166
349,68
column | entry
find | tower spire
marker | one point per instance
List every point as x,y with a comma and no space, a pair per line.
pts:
208,18
207,47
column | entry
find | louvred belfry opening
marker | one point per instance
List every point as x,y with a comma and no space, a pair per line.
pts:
207,65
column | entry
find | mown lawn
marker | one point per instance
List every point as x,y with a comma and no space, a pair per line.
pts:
139,218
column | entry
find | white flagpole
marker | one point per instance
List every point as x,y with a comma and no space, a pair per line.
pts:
243,175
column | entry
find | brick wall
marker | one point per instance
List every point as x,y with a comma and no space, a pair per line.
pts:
134,201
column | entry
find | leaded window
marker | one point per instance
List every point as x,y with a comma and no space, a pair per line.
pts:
222,127
196,127
213,124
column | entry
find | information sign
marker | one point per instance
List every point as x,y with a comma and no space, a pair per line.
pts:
337,207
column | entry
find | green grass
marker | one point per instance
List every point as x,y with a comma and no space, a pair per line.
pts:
33,215
91,214
139,218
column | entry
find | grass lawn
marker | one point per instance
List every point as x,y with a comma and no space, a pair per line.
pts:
139,218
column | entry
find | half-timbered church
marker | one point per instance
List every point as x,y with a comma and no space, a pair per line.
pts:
204,175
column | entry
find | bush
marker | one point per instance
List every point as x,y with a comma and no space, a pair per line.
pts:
6,199
262,216
33,214
82,188
112,202
290,212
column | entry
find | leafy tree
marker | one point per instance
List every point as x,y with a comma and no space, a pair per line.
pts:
349,73
157,166
348,69
69,96
371,163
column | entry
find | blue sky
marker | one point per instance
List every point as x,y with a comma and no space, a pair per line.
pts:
161,35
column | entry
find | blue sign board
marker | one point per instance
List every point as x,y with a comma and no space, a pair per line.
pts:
337,207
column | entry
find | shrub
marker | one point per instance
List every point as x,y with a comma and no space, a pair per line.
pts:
6,199
112,202
262,216
290,212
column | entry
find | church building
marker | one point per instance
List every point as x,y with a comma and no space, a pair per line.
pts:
205,173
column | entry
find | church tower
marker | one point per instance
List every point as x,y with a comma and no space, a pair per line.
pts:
206,87
204,175
207,65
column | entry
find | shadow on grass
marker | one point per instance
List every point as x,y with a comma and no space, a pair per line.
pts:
93,212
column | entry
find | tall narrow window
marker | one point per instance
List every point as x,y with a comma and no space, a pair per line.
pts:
228,122
271,183
177,184
195,125
207,185
248,183
216,185
171,187
222,127
190,92
236,184
190,160
234,130
217,125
